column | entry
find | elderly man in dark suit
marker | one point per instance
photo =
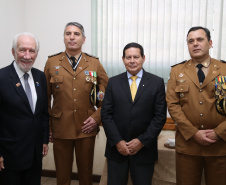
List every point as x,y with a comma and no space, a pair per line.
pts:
133,114
24,128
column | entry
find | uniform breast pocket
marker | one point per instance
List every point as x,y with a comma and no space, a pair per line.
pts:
88,86
183,91
57,83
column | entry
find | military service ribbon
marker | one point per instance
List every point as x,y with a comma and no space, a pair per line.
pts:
220,94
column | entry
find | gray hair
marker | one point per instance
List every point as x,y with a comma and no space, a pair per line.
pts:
77,25
14,45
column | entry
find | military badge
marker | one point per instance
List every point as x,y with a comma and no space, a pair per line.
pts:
56,69
100,96
87,76
181,75
220,94
91,76
182,80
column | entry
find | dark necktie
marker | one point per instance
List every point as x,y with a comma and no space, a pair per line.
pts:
28,90
201,74
73,62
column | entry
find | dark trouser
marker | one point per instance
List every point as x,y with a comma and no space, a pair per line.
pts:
31,176
189,169
141,174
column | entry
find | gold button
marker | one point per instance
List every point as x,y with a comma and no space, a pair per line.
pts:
74,99
201,115
74,78
74,89
200,90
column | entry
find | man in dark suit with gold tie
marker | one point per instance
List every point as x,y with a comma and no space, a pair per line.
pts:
133,114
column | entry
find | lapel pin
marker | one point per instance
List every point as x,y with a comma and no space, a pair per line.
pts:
18,84
37,84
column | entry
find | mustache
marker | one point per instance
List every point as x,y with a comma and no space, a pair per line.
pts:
24,60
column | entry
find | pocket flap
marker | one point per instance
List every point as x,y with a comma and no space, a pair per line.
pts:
182,88
56,113
57,79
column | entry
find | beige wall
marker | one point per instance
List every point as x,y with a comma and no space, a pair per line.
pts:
45,19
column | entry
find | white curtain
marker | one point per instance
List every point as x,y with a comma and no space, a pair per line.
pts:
160,26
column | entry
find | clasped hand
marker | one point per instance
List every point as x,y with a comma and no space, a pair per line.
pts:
129,148
206,137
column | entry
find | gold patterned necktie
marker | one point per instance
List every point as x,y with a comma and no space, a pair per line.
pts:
133,87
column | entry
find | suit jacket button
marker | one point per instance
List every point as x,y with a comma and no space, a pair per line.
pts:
57,87
201,115
200,102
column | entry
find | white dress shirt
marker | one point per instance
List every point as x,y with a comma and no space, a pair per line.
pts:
30,81
139,76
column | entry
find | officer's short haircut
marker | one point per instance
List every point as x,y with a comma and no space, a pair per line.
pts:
133,45
202,28
77,25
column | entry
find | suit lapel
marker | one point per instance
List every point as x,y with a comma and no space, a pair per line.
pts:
16,83
37,82
142,86
191,72
82,65
212,73
66,64
125,85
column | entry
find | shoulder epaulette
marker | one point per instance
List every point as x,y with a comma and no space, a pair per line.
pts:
223,61
179,63
54,55
91,56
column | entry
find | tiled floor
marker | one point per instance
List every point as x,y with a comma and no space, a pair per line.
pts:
52,181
